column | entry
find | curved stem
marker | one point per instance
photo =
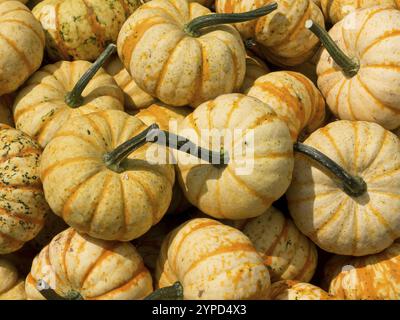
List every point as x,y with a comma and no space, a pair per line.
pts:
74,98
174,292
50,294
354,186
348,65
153,134
193,27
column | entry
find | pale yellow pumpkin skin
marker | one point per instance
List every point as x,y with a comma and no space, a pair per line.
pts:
206,3
97,269
373,277
12,287
295,290
255,68
135,98
261,157
336,10
214,261
96,200
294,98
335,221
6,116
288,254
40,110
23,207
181,69
368,36
282,37
21,45
81,29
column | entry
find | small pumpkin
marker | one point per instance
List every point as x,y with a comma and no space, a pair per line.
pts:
281,35
180,53
135,98
358,70
287,253
336,10
5,112
76,266
294,98
255,68
295,290
353,212
260,152
373,277
60,91
12,287
100,187
213,261
81,29
23,207
21,45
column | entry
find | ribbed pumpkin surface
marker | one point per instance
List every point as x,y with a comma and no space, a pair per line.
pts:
294,290
320,208
11,286
98,270
214,261
255,68
21,45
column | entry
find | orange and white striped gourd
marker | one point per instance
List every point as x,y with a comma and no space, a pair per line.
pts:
281,35
47,100
373,277
260,152
75,264
361,82
288,254
115,198
337,220
336,10
213,261
295,290
21,45
12,287
255,68
23,207
81,29
294,98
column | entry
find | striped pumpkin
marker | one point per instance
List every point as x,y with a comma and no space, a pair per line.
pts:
135,98
22,204
323,211
213,261
107,201
261,157
294,290
21,45
96,269
371,94
281,35
294,98
12,287
287,253
373,277
40,108
81,29
336,10
255,68
6,116
181,69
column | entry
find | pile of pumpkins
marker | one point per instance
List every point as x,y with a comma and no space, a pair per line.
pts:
88,210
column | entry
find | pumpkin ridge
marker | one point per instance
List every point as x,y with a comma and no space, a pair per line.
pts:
18,113
13,45
381,219
42,83
332,217
62,49
67,245
296,245
125,211
66,134
369,16
30,188
325,132
308,262
382,174
309,198
356,146
10,239
348,98
328,72
273,155
21,154
46,123
378,152
383,37
296,29
26,218
235,106
203,184
327,92
356,230
283,233
336,107
13,10
95,26
218,198
25,25
198,88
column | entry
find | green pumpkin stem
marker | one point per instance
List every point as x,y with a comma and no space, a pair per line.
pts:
49,294
354,186
193,27
174,292
74,98
153,134
348,65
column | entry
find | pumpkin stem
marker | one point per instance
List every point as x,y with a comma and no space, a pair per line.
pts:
174,292
193,27
348,65
74,98
153,134
354,186
50,294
